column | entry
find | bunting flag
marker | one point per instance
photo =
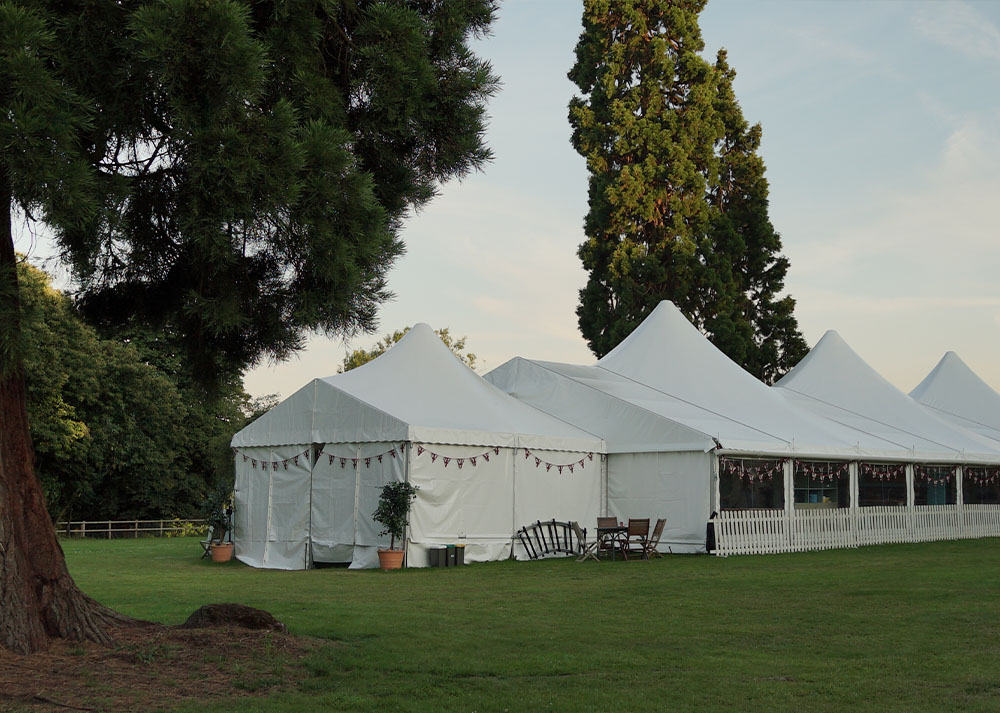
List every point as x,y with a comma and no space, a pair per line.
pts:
751,469
496,451
884,471
981,475
269,464
822,470
934,474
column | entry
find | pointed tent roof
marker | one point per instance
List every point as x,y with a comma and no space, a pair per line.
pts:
419,391
836,383
668,354
955,392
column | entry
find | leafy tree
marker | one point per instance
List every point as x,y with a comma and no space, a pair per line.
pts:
678,201
120,430
235,173
362,356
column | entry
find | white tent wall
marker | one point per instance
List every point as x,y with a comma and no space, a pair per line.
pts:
542,492
347,481
472,505
272,506
673,485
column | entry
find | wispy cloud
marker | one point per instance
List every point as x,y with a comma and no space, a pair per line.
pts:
959,26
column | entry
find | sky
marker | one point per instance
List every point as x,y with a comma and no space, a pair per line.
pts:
883,157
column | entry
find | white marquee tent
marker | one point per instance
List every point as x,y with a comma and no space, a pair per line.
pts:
667,403
956,393
309,472
835,383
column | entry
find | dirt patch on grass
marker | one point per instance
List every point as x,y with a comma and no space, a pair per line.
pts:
151,667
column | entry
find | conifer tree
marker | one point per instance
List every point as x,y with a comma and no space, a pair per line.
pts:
234,172
678,201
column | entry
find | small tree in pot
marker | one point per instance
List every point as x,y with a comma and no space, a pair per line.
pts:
393,507
218,507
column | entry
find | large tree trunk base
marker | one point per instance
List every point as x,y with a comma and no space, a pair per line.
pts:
38,599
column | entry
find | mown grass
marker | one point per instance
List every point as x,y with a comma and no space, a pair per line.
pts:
891,628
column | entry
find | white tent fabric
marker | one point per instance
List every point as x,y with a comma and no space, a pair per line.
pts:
308,472
955,392
668,354
836,383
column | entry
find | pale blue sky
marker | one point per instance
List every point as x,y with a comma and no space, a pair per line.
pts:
880,138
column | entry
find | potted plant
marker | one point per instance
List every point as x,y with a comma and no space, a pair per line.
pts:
218,509
393,507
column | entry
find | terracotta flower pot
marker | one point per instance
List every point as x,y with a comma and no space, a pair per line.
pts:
222,552
390,559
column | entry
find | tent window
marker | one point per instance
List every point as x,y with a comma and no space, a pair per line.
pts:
934,485
821,485
981,486
751,483
881,484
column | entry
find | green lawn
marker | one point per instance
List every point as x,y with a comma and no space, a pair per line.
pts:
891,628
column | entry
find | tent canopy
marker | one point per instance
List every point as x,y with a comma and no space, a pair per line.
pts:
669,355
836,383
416,391
955,392
670,389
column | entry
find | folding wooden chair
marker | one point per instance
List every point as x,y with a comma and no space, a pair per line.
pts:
206,544
654,539
587,550
636,538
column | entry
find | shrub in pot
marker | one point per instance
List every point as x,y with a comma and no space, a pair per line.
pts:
393,507
218,508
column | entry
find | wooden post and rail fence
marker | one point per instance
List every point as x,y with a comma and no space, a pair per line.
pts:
116,529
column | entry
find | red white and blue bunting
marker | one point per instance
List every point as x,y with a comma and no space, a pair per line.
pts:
751,469
485,456
549,466
822,470
934,474
395,451
981,475
884,471
272,464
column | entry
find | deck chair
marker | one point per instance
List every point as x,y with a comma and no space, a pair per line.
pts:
587,550
637,538
654,539
206,544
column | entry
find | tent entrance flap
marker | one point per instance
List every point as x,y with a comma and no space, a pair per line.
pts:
347,481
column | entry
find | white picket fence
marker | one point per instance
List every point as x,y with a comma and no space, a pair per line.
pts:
753,532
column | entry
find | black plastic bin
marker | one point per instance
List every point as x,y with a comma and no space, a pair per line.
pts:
459,554
452,556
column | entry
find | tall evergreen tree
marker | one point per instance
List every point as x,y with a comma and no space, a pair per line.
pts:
678,201
235,172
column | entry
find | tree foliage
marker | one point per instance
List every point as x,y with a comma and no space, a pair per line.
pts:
265,197
678,198
230,173
362,356
119,429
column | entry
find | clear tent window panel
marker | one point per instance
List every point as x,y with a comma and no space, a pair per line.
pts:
981,485
934,485
821,485
751,483
881,484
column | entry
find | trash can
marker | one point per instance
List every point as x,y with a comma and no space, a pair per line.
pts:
434,556
459,554
452,556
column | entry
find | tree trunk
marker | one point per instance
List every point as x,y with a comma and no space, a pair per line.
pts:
38,599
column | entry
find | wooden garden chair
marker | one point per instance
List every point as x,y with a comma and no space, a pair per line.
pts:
587,550
636,538
654,539
606,544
